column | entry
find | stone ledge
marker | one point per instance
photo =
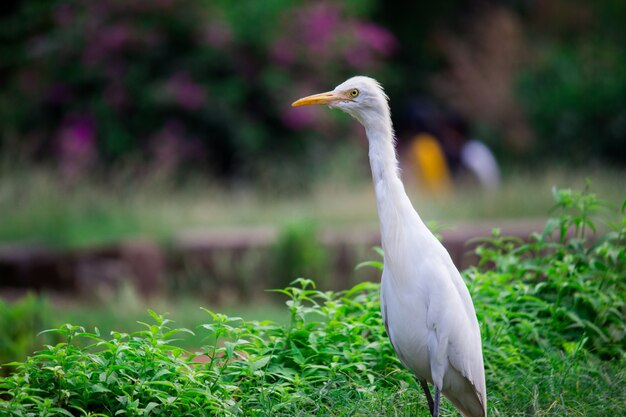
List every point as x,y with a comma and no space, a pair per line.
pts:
218,256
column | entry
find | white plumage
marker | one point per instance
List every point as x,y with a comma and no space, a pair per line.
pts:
426,307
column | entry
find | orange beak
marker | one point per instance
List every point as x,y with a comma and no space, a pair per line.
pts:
319,99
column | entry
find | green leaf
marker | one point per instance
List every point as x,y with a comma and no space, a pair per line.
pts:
375,264
149,407
260,363
61,411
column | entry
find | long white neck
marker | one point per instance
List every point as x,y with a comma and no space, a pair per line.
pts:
382,155
380,135
394,206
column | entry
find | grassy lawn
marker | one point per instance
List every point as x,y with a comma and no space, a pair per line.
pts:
36,207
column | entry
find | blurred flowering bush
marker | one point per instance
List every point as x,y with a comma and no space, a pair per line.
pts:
165,82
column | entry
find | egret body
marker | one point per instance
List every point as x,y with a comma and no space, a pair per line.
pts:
428,313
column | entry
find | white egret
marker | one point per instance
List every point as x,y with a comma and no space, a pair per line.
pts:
428,313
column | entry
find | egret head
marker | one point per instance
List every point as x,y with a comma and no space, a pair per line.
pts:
361,97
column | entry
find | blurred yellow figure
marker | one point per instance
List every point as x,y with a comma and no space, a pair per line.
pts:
429,162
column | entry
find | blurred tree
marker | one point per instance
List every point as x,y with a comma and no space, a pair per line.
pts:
170,81
538,80
574,89
207,83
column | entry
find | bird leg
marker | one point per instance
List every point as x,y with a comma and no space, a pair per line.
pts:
429,398
436,407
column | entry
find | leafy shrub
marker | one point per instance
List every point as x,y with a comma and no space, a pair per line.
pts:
561,287
260,368
552,311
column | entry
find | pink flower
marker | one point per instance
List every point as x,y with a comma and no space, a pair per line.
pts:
283,51
172,145
115,37
185,92
298,118
371,40
376,37
358,57
77,146
319,26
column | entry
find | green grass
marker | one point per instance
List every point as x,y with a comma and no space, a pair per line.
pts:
551,312
37,207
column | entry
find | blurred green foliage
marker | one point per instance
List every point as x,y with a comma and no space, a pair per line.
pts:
20,322
171,84
161,83
574,91
299,253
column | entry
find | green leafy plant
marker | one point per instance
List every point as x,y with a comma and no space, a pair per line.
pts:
552,320
565,284
334,344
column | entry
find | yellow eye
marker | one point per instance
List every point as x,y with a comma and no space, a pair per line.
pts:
354,92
